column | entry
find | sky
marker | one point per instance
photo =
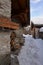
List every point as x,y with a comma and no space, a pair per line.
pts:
36,9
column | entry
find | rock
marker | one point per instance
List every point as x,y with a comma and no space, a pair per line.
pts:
17,40
5,8
19,36
27,30
14,60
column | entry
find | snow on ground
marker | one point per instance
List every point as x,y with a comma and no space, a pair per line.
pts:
39,44
32,52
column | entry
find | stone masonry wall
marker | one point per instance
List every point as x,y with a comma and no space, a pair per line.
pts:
5,8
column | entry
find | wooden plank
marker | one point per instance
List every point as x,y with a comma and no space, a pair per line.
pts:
5,22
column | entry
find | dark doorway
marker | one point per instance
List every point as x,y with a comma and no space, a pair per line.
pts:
20,11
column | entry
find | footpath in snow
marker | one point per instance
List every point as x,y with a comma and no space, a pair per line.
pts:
32,52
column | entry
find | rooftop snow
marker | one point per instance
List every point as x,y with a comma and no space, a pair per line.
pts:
38,21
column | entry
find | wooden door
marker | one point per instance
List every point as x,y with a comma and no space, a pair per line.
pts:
20,11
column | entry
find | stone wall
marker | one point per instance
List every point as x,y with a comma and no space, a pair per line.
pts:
5,8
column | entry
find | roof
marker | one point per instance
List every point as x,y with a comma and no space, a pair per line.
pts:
37,20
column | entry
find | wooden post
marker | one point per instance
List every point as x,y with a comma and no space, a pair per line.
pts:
34,31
